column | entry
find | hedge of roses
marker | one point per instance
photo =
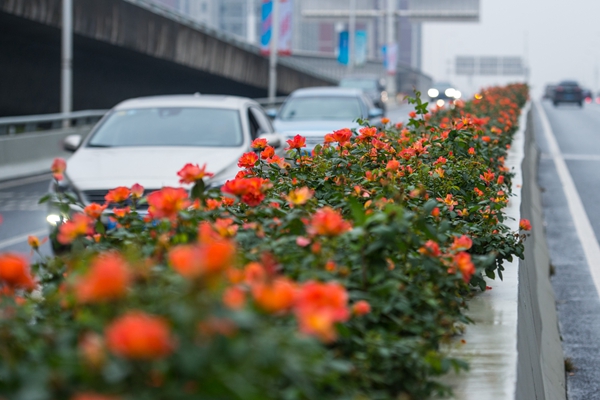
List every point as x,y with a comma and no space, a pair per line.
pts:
334,275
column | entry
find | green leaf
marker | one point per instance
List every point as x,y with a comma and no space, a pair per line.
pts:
45,198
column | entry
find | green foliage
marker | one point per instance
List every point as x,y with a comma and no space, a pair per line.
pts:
444,185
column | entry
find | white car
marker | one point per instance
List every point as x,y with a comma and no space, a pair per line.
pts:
315,112
148,140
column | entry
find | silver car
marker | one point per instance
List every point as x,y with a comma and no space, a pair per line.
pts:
148,140
315,112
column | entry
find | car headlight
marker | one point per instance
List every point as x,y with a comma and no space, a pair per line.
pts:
433,92
449,92
54,219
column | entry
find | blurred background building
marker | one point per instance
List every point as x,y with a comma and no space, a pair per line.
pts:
242,18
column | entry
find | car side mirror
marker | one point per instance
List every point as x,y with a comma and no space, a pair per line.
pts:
271,112
273,139
375,113
71,143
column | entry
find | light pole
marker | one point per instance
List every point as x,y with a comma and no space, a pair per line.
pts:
66,94
273,45
391,43
352,36
250,22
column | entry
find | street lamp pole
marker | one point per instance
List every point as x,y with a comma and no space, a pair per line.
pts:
391,42
66,103
352,36
67,57
273,45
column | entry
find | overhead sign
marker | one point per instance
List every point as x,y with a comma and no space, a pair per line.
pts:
442,10
284,43
490,65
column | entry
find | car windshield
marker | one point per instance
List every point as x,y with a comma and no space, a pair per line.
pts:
170,126
321,108
364,84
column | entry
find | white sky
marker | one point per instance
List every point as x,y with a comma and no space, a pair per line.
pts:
560,39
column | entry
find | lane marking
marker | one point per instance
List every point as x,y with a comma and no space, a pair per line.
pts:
583,227
574,157
22,238
25,181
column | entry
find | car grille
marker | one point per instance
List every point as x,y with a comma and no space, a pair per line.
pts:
97,196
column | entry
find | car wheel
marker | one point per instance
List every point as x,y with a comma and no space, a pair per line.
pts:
555,103
581,104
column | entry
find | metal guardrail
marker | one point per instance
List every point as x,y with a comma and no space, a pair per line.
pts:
34,123
37,123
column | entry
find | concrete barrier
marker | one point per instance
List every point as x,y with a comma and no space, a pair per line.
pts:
32,153
541,370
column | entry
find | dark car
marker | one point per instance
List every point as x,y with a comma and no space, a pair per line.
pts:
568,92
443,93
372,85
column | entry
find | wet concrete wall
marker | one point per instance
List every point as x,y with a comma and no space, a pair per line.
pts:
540,368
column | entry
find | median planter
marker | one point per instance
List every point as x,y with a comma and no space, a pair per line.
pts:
339,274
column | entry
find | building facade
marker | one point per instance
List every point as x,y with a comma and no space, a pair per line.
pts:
313,35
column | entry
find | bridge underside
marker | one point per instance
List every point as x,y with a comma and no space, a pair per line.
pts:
103,74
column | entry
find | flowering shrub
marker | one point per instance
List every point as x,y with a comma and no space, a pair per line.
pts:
332,275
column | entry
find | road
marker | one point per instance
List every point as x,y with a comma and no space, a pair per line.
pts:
577,133
22,215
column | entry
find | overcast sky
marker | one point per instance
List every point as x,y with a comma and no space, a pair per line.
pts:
560,39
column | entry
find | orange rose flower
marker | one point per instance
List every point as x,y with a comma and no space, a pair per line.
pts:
79,225
58,167
259,143
193,261
94,210
299,196
117,195
267,153
297,142
234,298
328,222
275,296
139,336
121,212
525,225
319,306
137,191
463,261
33,242
108,278
248,160
393,165
185,259
167,202
190,173
361,307
430,248
462,243
250,190
15,271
